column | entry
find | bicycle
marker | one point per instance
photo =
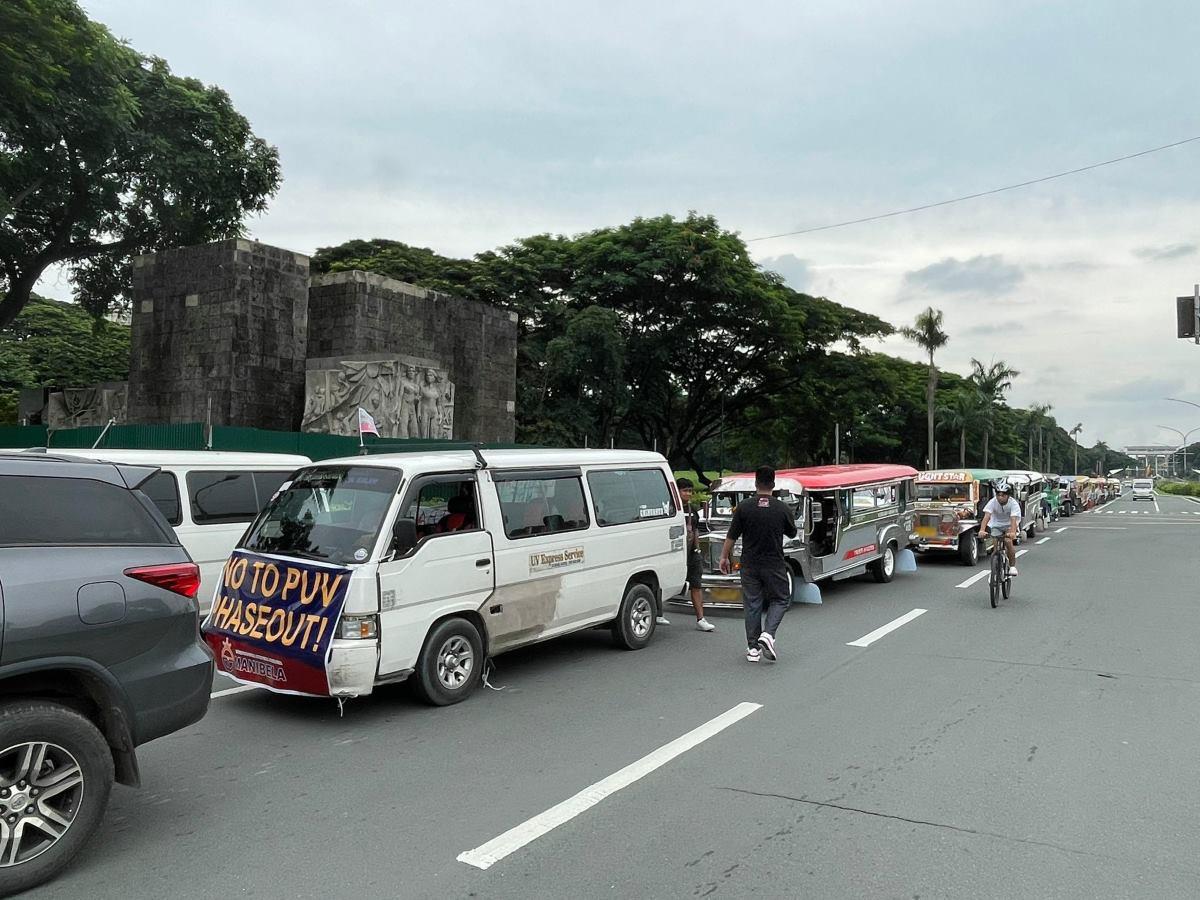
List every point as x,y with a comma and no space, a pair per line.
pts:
999,581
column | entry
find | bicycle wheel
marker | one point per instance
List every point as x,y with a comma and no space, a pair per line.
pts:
994,579
1006,584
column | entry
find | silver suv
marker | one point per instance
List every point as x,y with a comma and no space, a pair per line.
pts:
101,650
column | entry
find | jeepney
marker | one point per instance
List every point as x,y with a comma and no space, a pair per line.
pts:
1070,498
949,504
848,518
1114,488
1087,497
1030,490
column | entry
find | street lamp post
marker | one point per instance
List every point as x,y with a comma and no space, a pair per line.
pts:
1184,438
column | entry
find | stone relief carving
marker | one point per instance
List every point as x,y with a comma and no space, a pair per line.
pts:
94,405
406,399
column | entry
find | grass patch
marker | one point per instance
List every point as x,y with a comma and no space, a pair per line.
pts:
1180,488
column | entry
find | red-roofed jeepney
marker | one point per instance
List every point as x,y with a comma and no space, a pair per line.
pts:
847,518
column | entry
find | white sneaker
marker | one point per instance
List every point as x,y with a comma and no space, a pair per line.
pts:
753,654
1012,571
705,625
768,646
663,620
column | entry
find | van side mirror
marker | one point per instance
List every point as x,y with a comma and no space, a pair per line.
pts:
404,537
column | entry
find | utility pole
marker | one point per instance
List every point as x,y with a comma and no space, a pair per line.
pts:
837,443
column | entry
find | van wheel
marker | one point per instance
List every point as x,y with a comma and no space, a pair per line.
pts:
968,549
451,663
884,568
56,772
634,625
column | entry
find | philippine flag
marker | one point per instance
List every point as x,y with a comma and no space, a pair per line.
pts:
366,424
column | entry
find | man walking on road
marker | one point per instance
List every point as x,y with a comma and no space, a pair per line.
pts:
694,563
762,522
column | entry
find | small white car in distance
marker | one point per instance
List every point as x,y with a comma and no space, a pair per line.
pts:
1143,489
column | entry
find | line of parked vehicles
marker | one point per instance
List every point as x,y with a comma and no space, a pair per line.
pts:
335,577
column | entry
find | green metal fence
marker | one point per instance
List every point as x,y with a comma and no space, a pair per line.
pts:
191,436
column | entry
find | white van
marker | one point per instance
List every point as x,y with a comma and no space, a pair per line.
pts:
208,496
424,565
1143,489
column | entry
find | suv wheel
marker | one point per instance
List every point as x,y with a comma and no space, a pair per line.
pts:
56,772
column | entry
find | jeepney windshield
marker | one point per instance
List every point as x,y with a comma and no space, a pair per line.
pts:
330,513
723,502
945,493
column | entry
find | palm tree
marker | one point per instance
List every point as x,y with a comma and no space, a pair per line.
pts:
964,411
1074,433
926,332
992,382
1043,420
1037,417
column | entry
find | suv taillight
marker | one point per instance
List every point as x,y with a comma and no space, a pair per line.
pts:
180,578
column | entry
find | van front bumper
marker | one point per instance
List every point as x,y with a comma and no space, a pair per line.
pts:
352,667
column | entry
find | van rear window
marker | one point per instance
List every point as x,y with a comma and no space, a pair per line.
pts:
331,513
630,495
74,512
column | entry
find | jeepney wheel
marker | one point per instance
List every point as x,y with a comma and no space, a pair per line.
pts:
884,568
634,625
451,663
968,549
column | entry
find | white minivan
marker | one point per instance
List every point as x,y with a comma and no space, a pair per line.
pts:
427,564
1143,489
208,496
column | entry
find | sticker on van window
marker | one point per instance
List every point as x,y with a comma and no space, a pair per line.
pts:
556,559
651,512
272,622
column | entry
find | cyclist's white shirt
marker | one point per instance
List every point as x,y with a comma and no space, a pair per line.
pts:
1002,516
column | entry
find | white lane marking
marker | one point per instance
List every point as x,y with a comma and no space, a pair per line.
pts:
241,688
1043,540
1156,509
1061,530
487,855
1021,553
868,639
1122,512
1192,499
1109,513
974,578
1106,505
1114,527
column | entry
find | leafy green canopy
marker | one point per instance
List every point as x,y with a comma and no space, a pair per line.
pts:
104,154
58,344
662,331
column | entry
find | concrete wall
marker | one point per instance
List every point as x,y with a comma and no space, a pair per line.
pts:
222,324
357,312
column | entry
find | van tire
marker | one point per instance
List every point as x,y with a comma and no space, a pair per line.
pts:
634,626
884,568
448,645
50,723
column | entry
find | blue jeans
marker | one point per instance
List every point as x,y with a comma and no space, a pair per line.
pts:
764,590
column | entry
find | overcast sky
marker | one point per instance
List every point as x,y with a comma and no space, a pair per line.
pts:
460,126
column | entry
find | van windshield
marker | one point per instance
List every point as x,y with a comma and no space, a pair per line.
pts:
330,513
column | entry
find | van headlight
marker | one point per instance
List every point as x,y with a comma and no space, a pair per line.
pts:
358,628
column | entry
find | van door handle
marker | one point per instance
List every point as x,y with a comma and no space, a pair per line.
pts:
480,563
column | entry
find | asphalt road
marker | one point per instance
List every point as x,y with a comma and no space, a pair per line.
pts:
1045,748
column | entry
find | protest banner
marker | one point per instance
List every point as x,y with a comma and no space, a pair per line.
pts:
273,620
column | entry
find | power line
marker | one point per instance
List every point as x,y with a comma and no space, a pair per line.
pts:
1009,187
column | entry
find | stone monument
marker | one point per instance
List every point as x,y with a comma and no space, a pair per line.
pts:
220,335
97,404
407,397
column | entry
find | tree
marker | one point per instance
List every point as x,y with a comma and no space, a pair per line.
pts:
415,265
1074,433
105,154
992,382
1035,418
926,332
963,412
58,344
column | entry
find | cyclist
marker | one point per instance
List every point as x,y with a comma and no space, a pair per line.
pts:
1003,512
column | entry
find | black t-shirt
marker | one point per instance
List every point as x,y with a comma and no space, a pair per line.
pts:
761,523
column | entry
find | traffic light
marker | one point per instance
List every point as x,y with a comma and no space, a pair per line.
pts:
1188,316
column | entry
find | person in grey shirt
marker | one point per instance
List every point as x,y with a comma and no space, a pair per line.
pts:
1003,512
